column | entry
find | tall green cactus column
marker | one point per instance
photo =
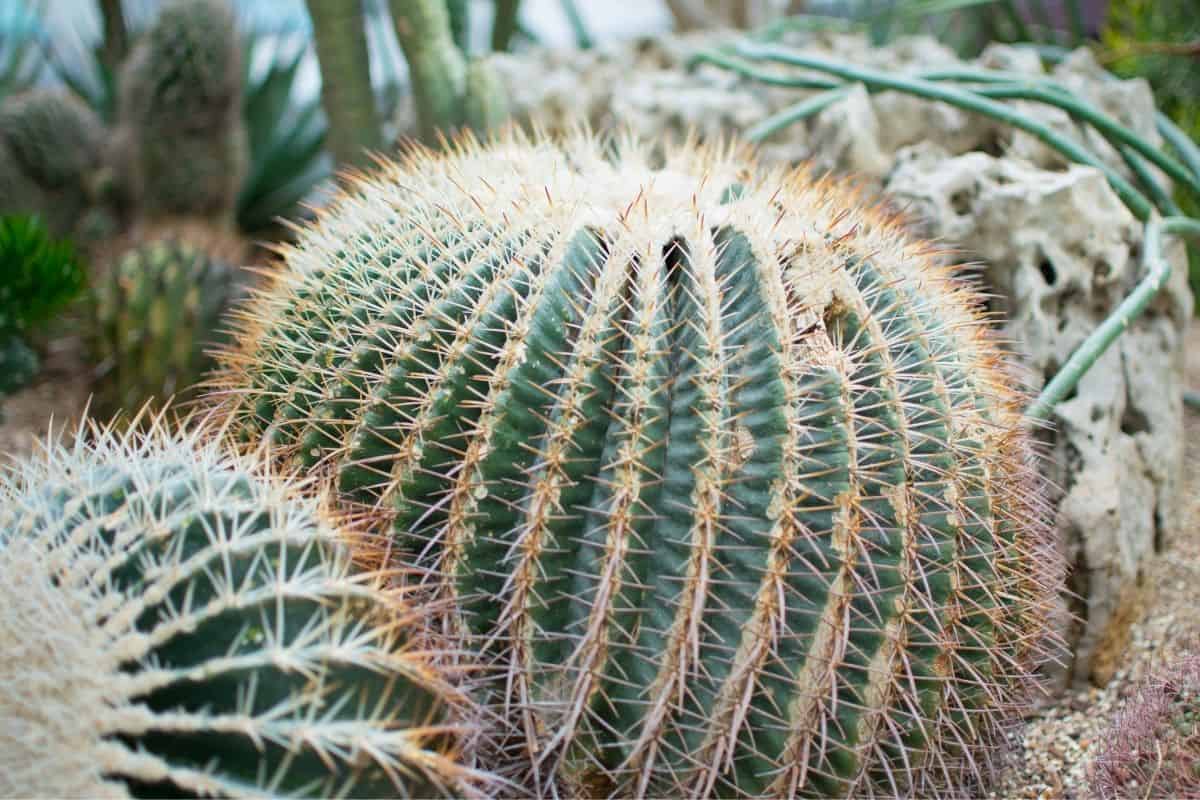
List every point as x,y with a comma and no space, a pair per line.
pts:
722,469
182,137
451,90
339,30
173,622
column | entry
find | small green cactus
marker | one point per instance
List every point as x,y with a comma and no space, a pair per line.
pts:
722,468
175,622
156,315
180,113
450,91
50,150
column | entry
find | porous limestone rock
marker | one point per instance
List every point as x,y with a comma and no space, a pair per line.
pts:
1060,251
1053,241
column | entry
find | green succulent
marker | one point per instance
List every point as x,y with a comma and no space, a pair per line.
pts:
50,151
39,275
180,109
286,136
1160,42
156,315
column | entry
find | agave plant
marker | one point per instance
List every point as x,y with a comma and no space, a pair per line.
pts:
19,62
286,137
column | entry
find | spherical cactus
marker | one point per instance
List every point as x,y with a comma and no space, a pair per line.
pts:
173,621
180,113
723,471
50,148
157,314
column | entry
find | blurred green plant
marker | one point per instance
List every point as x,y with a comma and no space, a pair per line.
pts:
39,276
340,34
967,26
1160,42
19,63
286,137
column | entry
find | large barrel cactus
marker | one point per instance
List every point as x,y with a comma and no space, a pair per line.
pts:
723,472
157,314
175,624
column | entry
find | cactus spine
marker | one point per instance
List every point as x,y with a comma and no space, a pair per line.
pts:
157,314
721,466
173,621
183,139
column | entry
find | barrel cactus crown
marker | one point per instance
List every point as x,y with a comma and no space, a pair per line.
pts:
174,623
180,112
157,314
721,469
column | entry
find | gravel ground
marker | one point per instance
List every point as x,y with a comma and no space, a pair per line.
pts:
1054,754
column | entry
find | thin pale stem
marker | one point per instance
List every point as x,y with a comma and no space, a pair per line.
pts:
962,98
1158,270
793,114
583,38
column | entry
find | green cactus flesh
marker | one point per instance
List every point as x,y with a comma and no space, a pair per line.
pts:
192,57
174,623
157,315
721,468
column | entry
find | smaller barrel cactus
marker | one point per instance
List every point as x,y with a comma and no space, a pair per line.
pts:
173,621
180,113
157,314
50,151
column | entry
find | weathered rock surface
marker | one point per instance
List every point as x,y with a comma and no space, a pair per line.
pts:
1054,243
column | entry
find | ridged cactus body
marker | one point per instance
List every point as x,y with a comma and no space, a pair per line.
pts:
50,152
172,621
157,314
180,113
722,469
